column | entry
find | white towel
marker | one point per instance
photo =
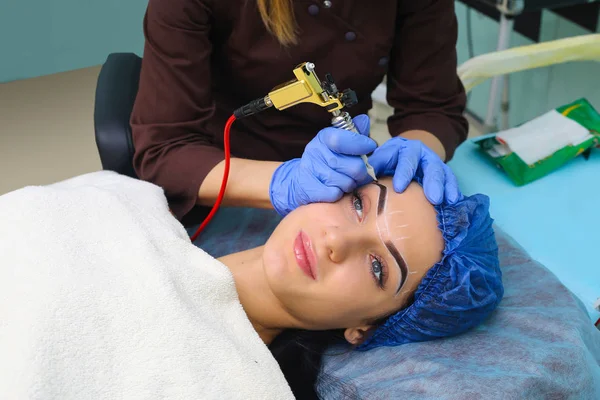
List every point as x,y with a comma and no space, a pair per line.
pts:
543,136
102,296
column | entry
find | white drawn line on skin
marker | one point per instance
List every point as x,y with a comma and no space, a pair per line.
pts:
395,212
379,231
387,227
388,234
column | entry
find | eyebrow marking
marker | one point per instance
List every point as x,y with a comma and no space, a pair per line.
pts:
400,261
382,197
390,246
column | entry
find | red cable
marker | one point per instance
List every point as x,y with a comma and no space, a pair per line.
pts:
225,177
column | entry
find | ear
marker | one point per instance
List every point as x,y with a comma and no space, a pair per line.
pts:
356,336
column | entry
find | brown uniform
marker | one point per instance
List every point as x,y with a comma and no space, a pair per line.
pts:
205,58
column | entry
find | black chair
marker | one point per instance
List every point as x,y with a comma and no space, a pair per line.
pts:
115,95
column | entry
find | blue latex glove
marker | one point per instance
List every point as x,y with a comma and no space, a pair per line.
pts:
406,160
330,166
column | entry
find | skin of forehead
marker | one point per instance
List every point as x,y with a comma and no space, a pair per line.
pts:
416,247
412,215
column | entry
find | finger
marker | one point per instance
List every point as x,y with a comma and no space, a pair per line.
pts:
323,194
332,178
452,191
367,179
351,166
384,160
363,124
330,195
434,180
406,168
315,191
346,142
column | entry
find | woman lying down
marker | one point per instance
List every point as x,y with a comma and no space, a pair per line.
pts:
102,295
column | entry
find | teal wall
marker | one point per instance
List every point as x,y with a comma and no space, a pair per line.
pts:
536,91
40,37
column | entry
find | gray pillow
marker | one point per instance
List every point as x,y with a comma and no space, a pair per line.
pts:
539,344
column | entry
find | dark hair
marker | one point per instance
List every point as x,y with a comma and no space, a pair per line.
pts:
300,355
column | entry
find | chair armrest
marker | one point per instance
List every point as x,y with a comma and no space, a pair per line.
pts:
116,91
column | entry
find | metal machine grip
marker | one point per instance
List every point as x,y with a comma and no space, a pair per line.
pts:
343,121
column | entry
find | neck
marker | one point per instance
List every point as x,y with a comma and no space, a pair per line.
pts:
265,312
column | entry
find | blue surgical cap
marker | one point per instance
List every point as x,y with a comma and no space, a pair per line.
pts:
458,292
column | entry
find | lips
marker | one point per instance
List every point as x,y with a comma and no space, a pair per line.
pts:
305,256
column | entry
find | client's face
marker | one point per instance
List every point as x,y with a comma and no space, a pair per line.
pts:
349,263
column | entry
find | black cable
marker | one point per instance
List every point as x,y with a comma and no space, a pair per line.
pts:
254,107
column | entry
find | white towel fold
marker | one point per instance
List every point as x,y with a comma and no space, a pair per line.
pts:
102,296
543,136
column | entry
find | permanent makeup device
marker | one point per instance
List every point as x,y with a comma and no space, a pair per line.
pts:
306,88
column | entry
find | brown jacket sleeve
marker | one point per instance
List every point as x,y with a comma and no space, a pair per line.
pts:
173,146
422,83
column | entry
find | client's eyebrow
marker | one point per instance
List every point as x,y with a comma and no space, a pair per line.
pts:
390,246
400,261
382,197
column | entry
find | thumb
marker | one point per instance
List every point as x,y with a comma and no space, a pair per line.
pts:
363,124
346,142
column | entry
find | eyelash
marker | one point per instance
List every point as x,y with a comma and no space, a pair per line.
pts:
358,197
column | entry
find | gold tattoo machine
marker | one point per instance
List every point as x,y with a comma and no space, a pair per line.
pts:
307,88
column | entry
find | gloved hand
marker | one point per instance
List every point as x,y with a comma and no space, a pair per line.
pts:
407,159
330,166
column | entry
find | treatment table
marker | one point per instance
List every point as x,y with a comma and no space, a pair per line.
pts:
540,342
556,219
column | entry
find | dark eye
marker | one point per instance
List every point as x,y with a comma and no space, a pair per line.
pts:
378,272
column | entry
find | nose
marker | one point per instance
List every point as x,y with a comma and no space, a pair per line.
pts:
340,243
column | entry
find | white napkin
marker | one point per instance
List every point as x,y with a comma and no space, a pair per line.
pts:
543,136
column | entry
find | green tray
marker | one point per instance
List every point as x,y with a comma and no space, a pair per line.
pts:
521,173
